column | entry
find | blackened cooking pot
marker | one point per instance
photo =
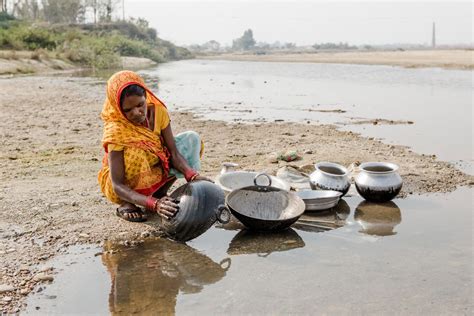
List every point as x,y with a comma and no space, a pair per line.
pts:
265,208
201,204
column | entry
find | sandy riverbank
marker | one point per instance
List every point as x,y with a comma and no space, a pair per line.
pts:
27,62
49,197
450,59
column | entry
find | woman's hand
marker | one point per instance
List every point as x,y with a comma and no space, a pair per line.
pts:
166,207
199,177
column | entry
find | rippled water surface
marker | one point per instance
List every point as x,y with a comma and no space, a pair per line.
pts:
410,256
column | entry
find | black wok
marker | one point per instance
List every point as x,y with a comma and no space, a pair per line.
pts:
265,208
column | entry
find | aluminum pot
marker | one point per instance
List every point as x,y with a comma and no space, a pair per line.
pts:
201,204
330,176
378,181
265,208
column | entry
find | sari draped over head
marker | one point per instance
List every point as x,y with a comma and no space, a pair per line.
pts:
146,159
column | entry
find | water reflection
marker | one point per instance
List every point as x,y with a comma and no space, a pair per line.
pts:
342,210
378,218
322,221
147,279
264,243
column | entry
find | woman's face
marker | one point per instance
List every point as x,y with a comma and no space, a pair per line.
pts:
134,108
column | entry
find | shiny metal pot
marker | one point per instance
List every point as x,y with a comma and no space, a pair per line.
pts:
378,181
201,204
330,176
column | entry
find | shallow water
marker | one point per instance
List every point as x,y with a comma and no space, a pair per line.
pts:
410,256
438,101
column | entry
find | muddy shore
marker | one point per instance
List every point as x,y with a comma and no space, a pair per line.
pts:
449,59
49,197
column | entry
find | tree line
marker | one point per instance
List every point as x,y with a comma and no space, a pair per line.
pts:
63,11
69,33
247,42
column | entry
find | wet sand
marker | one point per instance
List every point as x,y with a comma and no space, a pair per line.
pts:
49,197
450,59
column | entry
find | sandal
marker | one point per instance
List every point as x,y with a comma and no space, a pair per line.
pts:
122,213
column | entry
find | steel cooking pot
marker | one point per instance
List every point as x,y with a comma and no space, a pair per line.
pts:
263,207
201,204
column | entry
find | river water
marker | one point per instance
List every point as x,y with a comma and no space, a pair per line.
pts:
437,101
411,256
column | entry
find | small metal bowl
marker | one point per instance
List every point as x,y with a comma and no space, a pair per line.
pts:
316,200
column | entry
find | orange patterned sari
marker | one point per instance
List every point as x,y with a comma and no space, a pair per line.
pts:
146,159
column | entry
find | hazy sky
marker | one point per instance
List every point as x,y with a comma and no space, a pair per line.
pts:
307,22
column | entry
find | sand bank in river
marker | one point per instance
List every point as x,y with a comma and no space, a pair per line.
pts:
51,152
452,59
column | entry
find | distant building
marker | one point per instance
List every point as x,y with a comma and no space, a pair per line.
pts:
433,39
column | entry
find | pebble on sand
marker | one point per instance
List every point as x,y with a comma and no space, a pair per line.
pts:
6,288
40,277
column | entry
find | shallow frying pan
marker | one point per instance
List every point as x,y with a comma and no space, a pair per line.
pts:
265,208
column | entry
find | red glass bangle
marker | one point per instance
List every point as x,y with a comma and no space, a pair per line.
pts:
190,174
150,203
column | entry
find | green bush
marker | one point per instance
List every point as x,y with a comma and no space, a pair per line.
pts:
35,38
6,17
91,52
6,20
99,46
27,38
128,47
7,41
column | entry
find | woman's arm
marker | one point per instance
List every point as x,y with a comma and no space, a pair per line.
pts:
177,160
117,174
165,207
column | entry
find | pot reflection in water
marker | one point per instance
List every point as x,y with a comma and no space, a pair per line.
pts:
378,218
326,220
342,210
263,244
378,181
147,279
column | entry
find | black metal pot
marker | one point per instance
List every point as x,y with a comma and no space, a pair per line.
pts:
201,204
265,208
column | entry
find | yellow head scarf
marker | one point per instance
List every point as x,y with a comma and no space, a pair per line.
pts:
146,159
